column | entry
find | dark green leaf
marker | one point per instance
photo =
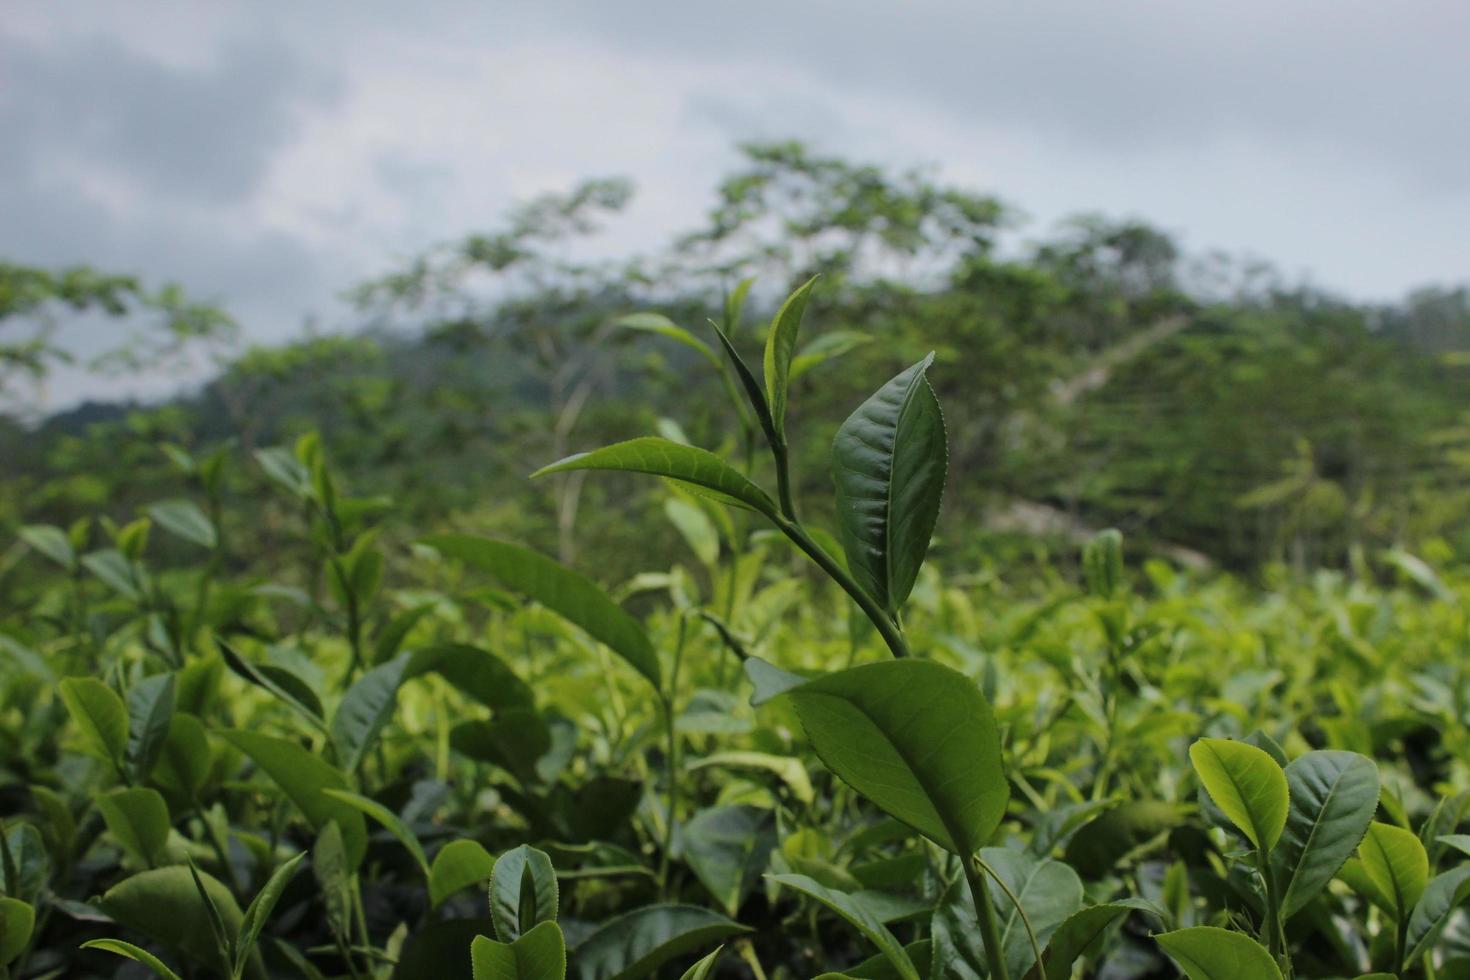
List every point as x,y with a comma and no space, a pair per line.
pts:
915,737
888,462
1332,799
150,712
365,709
523,892
634,945
858,915
388,819
728,848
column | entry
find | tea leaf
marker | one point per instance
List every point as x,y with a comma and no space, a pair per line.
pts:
1332,799
699,469
858,915
302,776
365,709
164,905
541,954
138,820
888,462
129,951
150,713
635,944
1397,864
390,821
17,920
1246,784
915,737
559,589
100,715
780,349
523,892
459,864
1208,953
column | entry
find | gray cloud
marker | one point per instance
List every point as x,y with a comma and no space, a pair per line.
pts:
270,155
209,134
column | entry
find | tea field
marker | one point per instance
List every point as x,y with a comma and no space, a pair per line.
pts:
295,734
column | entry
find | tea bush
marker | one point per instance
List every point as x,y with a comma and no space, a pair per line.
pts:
801,752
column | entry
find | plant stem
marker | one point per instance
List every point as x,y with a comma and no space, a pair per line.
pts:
671,759
887,628
783,480
995,952
1275,934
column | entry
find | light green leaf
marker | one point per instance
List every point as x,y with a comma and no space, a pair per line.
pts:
657,323
458,865
699,469
113,568
100,715
164,905
138,820
388,819
888,462
129,951
261,907
829,345
858,915
185,519
916,738
1460,842
702,969
365,709
150,712
696,528
303,776
1246,784
789,770
728,848
634,945
17,920
51,542
541,954
1397,864
523,892
1332,799
558,588
780,349
1208,953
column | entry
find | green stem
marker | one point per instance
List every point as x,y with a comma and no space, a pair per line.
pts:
671,759
887,628
1016,902
995,952
1275,934
783,480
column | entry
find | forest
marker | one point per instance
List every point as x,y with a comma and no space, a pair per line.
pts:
866,583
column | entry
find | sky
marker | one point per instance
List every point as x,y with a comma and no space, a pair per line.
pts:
268,156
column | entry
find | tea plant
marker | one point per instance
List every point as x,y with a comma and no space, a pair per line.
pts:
492,766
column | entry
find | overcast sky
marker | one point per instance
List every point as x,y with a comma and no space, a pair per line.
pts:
269,155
